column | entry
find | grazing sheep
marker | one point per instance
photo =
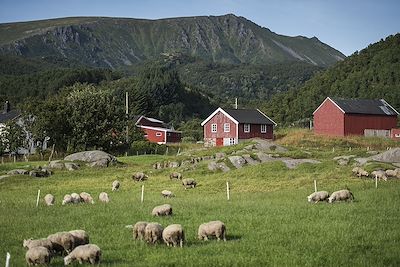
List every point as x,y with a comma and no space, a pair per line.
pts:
153,233
62,241
86,253
38,255
393,173
116,185
49,199
80,237
189,183
341,195
213,228
103,197
139,230
139,176
173,235
167,193
381,175
163,210
67,199
86,197
76,198
318,196
175,175
360,172
43,242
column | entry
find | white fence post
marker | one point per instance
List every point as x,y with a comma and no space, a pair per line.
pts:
8,257
227,190
315,185
376,181
37,199
142,197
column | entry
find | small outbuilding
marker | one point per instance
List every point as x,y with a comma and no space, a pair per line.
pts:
226,127
342,117
156,131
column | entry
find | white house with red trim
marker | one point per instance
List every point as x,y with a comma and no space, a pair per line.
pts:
226,127
157,131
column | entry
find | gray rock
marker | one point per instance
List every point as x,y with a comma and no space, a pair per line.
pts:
267,145
220,155
207,157
56,164
71,166
222,166
214,166
391,156
344,157
265,157
361,161
343,162
249,147
101,163
249,160
292,163
372,152
17,172
237,161
95,158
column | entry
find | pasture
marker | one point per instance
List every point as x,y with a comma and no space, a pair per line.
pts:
269,221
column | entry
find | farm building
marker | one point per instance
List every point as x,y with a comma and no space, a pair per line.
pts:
226,127
341,117
157,131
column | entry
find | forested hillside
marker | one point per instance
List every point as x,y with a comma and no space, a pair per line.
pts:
374,72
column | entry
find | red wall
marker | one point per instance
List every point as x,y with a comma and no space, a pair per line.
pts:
329,120
173,137
395,134
255,131
356,123
151,135
219,119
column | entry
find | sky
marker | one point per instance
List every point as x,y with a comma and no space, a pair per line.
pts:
346,25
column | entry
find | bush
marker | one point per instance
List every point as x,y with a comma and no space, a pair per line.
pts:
188,139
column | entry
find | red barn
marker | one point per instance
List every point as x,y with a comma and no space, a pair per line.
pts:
226,127
157,131
341,117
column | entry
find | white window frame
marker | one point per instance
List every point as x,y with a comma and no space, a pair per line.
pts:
214,128
227,127
232,141
246,125
158,134
263,128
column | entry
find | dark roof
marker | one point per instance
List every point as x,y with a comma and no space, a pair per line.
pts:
365,106
12,114
253,116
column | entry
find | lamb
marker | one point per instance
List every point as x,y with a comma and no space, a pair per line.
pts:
76,198
189,183
175,175
38,255
86,197
318,196
167,193
139,176
360,172
341,195
80,237
115,185
62,241
381,175
44,242
173,235
139,230
103,197
393,173
67,199
163,210
153,233
49,199
213,228
85,253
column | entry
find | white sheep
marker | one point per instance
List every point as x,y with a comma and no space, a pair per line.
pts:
38,255
213,228
341,195
62,241
153,232
381,175
318,196
76,198
43,242
173,235
49,199
67,199
116,185
80,237
360,172
162,210
393,173
167,193
189,183
86,253
103,197
139,230
175,175
139,176
86,197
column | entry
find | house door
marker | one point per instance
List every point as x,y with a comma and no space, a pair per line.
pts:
219,141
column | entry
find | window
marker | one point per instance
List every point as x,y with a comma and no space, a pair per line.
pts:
263,128
214,128
227,127
231,141
246,128
158,134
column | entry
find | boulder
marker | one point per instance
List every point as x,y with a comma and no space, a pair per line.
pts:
17,172
220,155
214,166
101,163
292,163
390,156
249,160
267,145
71,166
94,158
237,161
265,157
56,164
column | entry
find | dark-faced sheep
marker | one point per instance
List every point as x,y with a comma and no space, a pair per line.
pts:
175,175
38,256
76,198
67,199
341,195
86,253
381,175
360,172
173,235
167,193
49,199
189,183
80,237
139,230
213,228
162,210
318,196
62,241
139,176
86,198
153,233
116,185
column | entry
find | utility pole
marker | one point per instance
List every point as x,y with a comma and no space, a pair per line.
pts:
127,117
236,103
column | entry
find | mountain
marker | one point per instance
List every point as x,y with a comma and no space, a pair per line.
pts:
372,73
119,42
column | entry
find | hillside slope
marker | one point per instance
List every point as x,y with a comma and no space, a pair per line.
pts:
116,42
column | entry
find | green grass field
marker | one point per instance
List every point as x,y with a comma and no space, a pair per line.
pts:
269,221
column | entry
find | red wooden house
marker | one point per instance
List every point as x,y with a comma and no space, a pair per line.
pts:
341,117
157,131
226,127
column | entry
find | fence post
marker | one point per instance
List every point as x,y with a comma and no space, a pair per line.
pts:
315,185
8,257
227,190
37,199
376,181
142,197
